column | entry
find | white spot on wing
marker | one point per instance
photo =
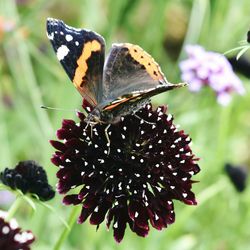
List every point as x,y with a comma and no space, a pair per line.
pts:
68,38
62,52
50,36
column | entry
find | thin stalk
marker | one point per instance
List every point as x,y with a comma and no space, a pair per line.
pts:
196,20
13,209
66,231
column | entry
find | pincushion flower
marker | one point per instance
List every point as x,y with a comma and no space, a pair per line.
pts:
28,177
206,68
131,181
11,236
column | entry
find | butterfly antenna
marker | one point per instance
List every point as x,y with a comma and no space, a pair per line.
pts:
57,109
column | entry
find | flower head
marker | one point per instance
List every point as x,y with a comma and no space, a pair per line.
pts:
131,181
28,177
11,236
205,68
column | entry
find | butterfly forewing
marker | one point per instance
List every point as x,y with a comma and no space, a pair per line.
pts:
81,53
131,74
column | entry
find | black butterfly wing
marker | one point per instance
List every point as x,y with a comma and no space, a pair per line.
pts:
81,53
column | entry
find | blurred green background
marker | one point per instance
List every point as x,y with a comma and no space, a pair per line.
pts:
30,76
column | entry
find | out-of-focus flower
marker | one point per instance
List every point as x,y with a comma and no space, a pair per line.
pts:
11,236
5,26
28,177
6,197
24,2
206,68
238,176
135,179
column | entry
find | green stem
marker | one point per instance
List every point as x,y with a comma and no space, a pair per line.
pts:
224,122
196,22
14,207
66,231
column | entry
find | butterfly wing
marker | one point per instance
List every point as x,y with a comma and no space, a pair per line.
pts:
131,74
81,53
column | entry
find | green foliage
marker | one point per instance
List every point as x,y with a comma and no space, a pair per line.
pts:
31,76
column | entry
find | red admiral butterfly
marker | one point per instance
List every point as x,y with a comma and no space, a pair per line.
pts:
121,85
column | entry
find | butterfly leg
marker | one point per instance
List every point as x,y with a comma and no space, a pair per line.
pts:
91,129
107,137
86,127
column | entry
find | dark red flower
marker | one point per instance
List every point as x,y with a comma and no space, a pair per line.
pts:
28,177
135,179
12,238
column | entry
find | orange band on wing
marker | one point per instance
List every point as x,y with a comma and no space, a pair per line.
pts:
89,47
122,100
142,57
110,107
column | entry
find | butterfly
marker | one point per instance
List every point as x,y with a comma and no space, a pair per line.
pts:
116,86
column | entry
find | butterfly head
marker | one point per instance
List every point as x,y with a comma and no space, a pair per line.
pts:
98,116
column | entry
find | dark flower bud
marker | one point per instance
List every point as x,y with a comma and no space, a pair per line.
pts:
28,177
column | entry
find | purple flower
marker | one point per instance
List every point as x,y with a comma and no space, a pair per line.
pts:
203,68
11,236
28,177
134,180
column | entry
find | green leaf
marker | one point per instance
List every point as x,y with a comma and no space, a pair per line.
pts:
242,52
234,49
29,201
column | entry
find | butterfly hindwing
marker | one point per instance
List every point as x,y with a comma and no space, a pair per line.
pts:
81,53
